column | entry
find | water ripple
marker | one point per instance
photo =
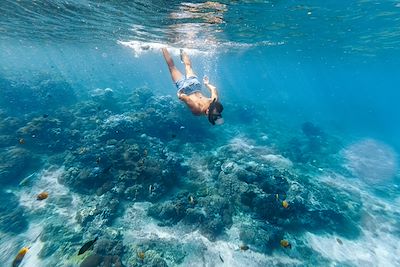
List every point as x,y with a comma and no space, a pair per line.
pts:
360,26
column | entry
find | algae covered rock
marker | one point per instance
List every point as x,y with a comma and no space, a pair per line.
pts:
104,210
105,98
262,236
168,212
47,134
109,247
85,179
92,260
120,126
15,164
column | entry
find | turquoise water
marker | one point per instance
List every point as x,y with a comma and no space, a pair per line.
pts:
308,153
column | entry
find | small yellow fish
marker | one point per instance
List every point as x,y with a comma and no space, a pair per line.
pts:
140,255
21,141
284,243
20,256
285,204
42,196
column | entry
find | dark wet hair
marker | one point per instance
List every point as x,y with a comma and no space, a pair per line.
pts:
218,107
214,111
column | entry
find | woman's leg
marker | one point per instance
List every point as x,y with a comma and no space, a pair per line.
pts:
188,64
176,75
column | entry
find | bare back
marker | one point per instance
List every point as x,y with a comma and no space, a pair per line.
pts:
197,102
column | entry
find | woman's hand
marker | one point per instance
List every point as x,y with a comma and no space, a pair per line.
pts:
205,80
181,95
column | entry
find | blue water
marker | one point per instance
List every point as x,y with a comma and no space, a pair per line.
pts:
89,114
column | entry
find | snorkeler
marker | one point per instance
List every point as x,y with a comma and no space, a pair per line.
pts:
189,90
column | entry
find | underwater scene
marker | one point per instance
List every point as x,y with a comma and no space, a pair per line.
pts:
203,133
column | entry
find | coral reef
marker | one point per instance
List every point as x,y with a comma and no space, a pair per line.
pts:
264,237
105,99
271,191
107,253
47,134
117,149
42,94
104,212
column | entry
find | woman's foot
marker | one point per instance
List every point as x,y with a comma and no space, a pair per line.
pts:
184,57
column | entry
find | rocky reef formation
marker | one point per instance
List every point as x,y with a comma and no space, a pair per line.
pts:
249,179
42,94
117,149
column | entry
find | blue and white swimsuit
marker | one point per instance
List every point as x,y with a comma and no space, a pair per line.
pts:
188,85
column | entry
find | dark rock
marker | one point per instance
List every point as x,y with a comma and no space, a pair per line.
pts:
194,216
108,247
211,214
247,198
247,176
268,208
15,164
93,260
135,192
168,211
118,127
276,183
212,227
109,207
264,237
105,98
310,130
47,134
139,97
106,211
156,262
85,180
